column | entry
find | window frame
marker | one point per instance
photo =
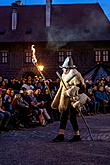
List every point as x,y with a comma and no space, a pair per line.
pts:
4,56
105,55
60,56
28,57
97,56
101,55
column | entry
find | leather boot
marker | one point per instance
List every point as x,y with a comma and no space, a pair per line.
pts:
59,138
75,138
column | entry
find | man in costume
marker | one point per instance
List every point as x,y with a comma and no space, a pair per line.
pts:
72,83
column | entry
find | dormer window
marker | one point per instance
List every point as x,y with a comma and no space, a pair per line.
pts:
14,19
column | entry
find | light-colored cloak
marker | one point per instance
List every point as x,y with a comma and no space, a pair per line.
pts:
60,101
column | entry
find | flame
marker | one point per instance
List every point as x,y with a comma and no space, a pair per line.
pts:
34,60
41,67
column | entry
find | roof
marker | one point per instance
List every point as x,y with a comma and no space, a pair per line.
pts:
69,22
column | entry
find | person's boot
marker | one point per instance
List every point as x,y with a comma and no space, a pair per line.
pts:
59,138
75,138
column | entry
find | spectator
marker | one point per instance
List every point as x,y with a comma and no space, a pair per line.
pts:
7,100
107,89
93,104
102,98
47,99
4,116
23,109
42,104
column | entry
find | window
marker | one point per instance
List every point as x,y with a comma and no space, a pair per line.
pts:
61,56
69,53
28,58
14,19
101,55
105,55
4,57
97,55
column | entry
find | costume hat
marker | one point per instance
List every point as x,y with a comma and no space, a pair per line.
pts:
68,63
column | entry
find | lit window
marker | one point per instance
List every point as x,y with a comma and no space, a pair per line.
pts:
28,57
4,57
97,55
105,55
14,19
69,53
61,56
61,53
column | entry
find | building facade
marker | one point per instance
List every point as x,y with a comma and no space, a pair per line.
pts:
57,31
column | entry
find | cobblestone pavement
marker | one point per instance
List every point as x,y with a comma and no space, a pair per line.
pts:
35,147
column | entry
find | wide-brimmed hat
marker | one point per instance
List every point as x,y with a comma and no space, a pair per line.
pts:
68,63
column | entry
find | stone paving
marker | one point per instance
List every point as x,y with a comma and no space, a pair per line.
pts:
35,147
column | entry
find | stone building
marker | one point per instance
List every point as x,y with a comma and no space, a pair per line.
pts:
57,31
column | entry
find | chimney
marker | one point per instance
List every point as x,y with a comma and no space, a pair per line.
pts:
19,3
14,19
48,12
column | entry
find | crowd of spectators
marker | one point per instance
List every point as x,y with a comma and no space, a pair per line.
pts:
26,103
99,93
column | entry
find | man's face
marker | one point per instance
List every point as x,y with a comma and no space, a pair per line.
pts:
66,70
101,88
